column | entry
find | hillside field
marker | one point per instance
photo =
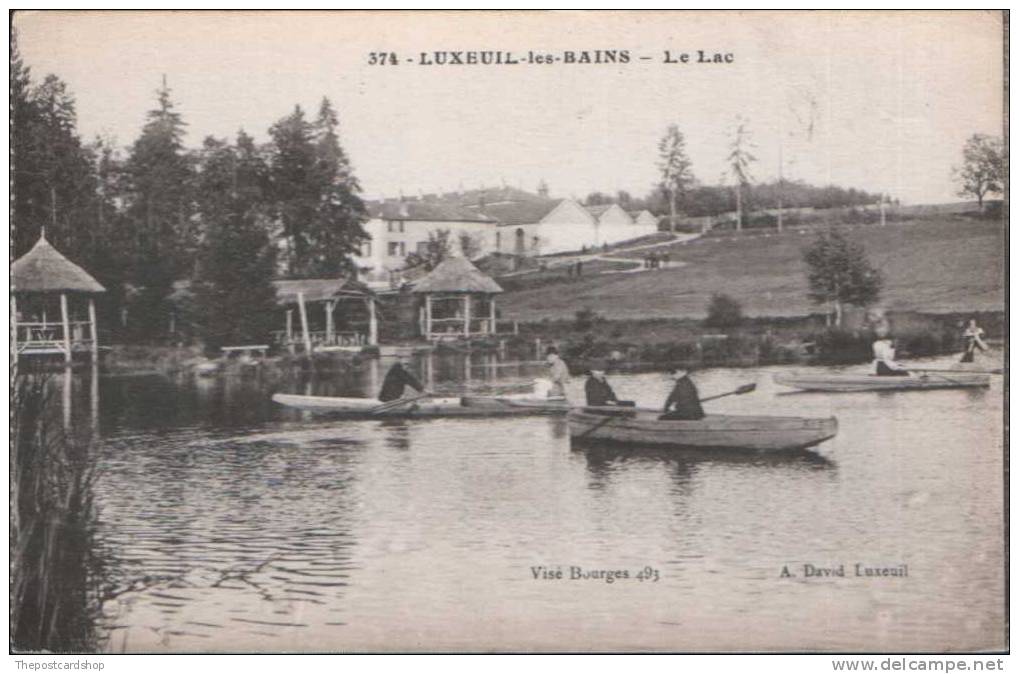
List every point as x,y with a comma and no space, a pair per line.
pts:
948,264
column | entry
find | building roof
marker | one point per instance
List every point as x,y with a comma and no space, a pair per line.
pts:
597,210
44,270
456,275
521,212
423,209
318,290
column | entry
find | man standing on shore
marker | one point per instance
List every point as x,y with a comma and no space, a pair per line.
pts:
557,372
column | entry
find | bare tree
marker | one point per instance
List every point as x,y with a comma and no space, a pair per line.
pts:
983,167
676,169
739,160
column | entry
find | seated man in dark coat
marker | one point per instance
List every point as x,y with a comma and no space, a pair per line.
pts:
397,379
684,403
597,389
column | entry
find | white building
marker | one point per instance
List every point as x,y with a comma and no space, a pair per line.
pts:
399,227
646,222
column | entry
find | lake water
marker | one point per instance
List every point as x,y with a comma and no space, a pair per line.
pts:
242,526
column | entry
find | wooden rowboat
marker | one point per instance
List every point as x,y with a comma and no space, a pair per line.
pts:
715,431
871,382
470,406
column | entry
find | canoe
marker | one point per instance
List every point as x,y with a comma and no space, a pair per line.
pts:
470,406
872,382
715,431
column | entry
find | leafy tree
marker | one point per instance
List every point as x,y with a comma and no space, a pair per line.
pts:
436,249
234,295
983,167
470,245
597,199
675,168
839,273
159,211
723,312
740,159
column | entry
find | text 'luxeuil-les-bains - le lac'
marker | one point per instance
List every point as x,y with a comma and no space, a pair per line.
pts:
539,57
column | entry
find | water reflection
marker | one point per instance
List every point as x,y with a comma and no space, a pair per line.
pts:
247,526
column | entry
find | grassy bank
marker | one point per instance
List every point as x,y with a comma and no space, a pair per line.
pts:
654,343
943,264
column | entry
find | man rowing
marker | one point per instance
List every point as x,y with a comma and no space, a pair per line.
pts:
684,402
884,359
598,391
396,381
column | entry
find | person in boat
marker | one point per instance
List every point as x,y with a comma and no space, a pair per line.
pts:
973,338
684,402
884,359
558,373
396,382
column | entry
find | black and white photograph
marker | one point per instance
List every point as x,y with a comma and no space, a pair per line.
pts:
509,332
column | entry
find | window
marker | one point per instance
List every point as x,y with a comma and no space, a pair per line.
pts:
366,249
394,226
397,249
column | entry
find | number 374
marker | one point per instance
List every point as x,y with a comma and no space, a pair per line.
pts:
382,58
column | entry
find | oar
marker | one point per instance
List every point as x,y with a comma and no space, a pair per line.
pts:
400,402
746,388
612,410
927,369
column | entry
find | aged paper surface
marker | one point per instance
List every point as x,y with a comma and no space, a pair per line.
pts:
640,191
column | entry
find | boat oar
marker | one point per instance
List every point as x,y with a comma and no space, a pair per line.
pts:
927,369
611,412
400,402
746,388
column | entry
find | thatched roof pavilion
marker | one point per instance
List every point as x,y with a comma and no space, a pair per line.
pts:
301,292
459,300
42,273
44,270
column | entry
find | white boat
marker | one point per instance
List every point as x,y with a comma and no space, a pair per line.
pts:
840,382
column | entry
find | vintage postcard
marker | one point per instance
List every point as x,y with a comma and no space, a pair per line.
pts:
516,331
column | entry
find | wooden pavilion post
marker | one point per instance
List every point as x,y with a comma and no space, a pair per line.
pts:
66,320
373,323
304,323
467,315
290,330
93,329
428,316
330,325
14,330
491,315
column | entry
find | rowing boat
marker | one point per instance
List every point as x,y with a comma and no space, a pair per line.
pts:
715,431
469,406
870,382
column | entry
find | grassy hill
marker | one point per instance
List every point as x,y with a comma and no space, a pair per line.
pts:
945,264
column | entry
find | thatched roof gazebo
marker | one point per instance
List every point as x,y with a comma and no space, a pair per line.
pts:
38,276
459,301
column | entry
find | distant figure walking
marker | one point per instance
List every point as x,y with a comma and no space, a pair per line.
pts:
973,337
558,373
652,261
396,381
665,260
884,359
580,267
684,402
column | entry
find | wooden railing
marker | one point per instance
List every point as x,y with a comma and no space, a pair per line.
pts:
38,336
453,328
321,338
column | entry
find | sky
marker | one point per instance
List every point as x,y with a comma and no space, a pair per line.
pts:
881,101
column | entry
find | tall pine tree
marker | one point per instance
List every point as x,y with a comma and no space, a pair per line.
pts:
159,214
234,296
315,195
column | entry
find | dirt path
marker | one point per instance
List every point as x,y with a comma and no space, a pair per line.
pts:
612,256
